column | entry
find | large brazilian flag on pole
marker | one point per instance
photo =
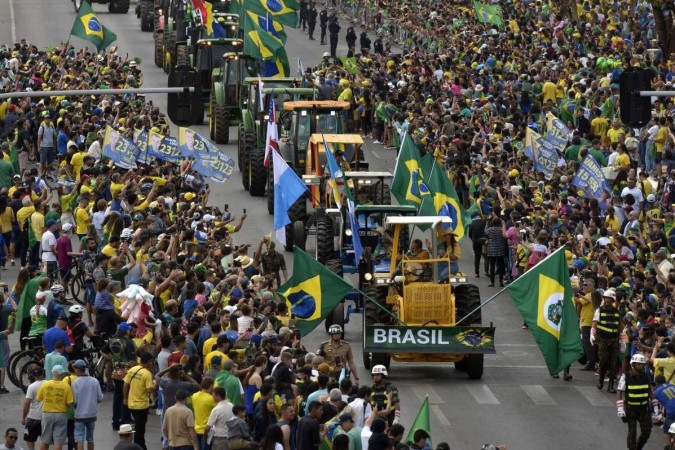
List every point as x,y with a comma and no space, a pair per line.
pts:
88,27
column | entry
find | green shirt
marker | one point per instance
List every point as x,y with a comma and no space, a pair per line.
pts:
232,386
27,300
38,320
354,436
599,157
572,153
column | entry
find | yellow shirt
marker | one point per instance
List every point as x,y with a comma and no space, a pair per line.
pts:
23,214
141,257
142,206
55,396
38,225
612,223
109,250
64,201
6,219
202,404
86,190
614,134
667,365
116,187
346,95
660,139
77,161
208,345
207,358
82,219
587,310
140,383
622,160
599,126
550,90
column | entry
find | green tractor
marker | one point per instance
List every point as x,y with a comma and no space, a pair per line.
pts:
253,126
228,95
145,11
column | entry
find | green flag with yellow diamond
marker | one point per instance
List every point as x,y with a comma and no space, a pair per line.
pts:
543,295
88,27
313,291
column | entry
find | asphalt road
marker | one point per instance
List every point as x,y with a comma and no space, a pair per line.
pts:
516,403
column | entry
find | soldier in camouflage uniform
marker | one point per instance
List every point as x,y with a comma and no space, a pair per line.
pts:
272,262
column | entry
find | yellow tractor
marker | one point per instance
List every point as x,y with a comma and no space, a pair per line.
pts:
411,309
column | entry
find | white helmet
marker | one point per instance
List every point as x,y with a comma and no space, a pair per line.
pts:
76,309
127,233
671,430
335,329
638,358
379,369
57,289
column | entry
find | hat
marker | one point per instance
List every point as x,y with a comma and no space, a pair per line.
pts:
123,327
16,177
58,369
62,318
237,292
208,218
610,293
244,260
563,179
80,364
216,361
651,198
126,428
189,196
51,222
230,309
138,216
66,227
346,418
533,185
479,88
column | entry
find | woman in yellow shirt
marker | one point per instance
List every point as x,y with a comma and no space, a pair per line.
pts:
6,221
82,217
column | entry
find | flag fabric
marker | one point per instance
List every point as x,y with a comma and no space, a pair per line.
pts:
543,295
288,188
542,153
199,8
277,66
355,226
258,43
313,291
284,12
272,135
408,184
350,65
87,26
557,132
334,172
444,201
269,25
591,179
208,19
421,421
491,14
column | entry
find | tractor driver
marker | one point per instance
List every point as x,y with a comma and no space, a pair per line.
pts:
448,247
336,352
418,272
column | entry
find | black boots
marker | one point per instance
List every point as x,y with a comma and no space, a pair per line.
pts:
610,387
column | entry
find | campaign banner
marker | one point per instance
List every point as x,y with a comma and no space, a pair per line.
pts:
120,149
222,167
163,147
192,144
202,164
141,140
557,132
590,178
542,153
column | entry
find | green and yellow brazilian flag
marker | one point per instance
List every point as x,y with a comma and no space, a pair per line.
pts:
88,27
312,292
543,295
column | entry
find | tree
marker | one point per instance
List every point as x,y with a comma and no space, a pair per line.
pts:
665,27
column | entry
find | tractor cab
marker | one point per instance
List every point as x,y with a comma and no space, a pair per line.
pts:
230,24
210,56
307,118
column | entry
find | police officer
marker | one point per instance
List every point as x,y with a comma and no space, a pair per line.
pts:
606,323
303,14
323,23
383,392
312,13
336,352
635,392
334,30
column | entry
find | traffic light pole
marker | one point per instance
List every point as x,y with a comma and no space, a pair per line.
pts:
657,93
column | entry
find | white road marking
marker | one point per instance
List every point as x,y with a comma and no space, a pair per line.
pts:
503,366
375,154
12,20
483,395
440,416
538,394
594,396
422,390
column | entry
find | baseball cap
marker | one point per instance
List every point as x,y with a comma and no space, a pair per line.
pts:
80,364
51,222
346,418
124,327
67,227
59,369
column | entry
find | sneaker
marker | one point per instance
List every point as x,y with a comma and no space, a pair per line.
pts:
377,142
525,327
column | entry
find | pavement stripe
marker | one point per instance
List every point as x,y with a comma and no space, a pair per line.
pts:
440,416
483,395
594,396
375,154
422,390
538,394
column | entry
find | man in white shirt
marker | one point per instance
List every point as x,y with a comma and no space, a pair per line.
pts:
48,246
216,426
635,192
361,406
32,409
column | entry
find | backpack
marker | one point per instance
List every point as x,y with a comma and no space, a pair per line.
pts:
534,259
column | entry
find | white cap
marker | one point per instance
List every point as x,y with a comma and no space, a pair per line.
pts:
208,218
611,293
651,198
66,227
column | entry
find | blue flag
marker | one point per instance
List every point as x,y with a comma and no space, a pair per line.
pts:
288,188
590,178
355,227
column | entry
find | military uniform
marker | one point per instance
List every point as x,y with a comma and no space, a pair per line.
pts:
329,350
607,327
378,398
637,390
272,263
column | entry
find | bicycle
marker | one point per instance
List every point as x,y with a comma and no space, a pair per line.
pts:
20,363
73,281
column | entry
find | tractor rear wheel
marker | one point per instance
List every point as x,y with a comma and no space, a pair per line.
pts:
373,315
467,298
182,57
325,241
222,131
159,48
146,20
299,235
123,6
247,147
257,173
337,317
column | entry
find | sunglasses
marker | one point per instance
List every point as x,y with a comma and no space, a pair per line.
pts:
13,437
